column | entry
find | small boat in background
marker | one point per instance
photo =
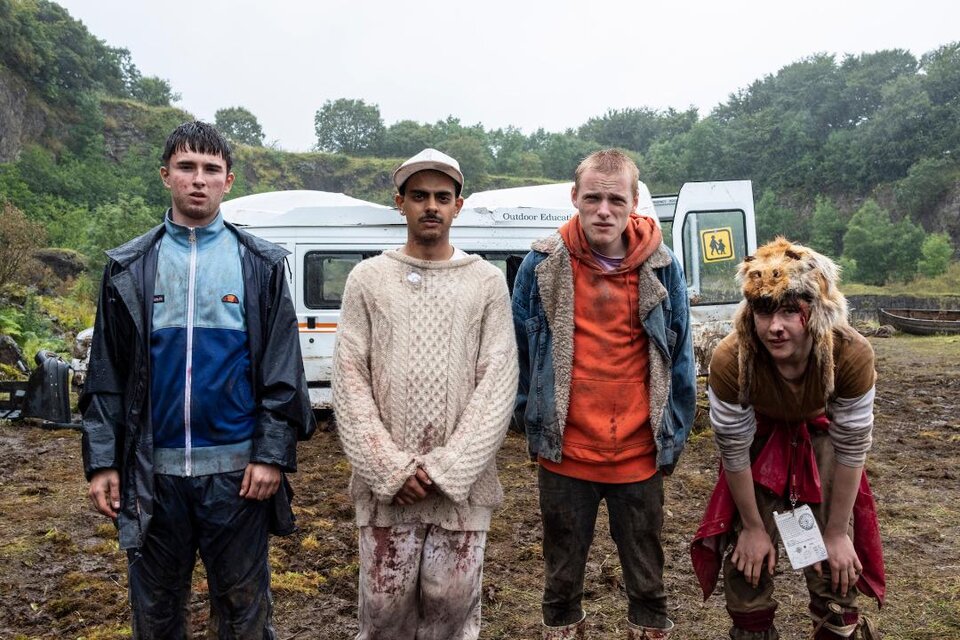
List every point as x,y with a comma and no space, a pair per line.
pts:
922,322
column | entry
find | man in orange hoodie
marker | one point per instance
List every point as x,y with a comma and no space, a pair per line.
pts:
607,390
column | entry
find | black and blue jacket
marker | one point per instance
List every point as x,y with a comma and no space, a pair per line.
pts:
201,391
121,401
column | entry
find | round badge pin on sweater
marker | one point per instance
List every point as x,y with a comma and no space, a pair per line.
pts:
414,278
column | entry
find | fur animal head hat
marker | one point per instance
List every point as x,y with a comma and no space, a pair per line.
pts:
784,272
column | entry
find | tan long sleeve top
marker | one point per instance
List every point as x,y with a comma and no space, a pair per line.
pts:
425,374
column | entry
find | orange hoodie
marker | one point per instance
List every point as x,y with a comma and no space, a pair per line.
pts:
608,437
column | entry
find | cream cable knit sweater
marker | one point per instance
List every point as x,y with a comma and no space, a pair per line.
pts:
425,374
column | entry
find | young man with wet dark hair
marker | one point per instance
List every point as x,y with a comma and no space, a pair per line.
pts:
194,402
199,137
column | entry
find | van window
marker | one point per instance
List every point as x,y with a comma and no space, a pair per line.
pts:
666,228
714,243
508,263
324,277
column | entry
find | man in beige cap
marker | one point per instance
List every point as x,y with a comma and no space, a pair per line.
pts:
425,372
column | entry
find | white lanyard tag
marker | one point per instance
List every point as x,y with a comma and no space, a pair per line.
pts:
801,536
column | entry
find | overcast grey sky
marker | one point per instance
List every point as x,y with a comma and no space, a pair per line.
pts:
498,62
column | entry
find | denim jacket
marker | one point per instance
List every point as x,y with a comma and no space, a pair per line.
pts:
543,320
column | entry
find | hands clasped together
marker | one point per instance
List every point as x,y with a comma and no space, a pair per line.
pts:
415,489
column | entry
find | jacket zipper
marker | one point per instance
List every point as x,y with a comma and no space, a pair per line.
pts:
188,383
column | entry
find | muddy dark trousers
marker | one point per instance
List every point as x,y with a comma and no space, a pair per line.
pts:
204,513
569,507
752,609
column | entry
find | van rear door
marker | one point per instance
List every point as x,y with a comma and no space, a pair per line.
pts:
714,228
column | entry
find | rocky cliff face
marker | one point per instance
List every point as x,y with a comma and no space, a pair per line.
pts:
23,117
129,124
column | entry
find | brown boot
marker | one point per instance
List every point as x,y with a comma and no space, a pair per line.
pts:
575,631
755,625
648,633
740,634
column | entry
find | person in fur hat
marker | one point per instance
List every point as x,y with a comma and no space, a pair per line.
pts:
791,393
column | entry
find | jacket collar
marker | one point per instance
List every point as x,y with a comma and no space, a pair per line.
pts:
136,248
553,243
555,280
204,236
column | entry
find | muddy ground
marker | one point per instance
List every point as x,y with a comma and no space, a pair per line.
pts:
62,576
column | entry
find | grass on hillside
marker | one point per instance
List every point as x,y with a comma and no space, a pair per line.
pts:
947,284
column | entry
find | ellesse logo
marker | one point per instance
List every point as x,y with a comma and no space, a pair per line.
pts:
231,298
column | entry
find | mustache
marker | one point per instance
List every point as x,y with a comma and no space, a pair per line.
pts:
430,218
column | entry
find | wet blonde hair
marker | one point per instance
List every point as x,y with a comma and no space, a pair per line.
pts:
609,162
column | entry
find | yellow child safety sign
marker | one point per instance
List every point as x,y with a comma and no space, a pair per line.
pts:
717,244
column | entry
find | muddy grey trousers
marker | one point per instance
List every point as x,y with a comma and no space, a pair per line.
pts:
420,582
204,513
569,508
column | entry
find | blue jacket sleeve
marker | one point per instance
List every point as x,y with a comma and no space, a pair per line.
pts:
683,382
521,312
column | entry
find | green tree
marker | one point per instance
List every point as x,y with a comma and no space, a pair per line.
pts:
470,152
636,129
897,134
775,219
113,223
828,226
867,243
406,138
937,252
927,182
55,53
907,249
349,126
239,126
560,153
881,249
942,73
864,77
509,147
154,91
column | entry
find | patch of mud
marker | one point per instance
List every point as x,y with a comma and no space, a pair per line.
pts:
62,576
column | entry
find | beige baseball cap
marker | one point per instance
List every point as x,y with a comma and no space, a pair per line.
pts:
426,160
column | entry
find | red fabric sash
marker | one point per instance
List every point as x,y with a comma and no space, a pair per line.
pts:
787,463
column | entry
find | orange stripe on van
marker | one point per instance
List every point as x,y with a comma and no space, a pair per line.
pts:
320,327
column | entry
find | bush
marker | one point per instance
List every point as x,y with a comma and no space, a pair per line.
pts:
882,250
113,223
19,238
936,251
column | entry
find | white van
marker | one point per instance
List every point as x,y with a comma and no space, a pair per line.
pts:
709,225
